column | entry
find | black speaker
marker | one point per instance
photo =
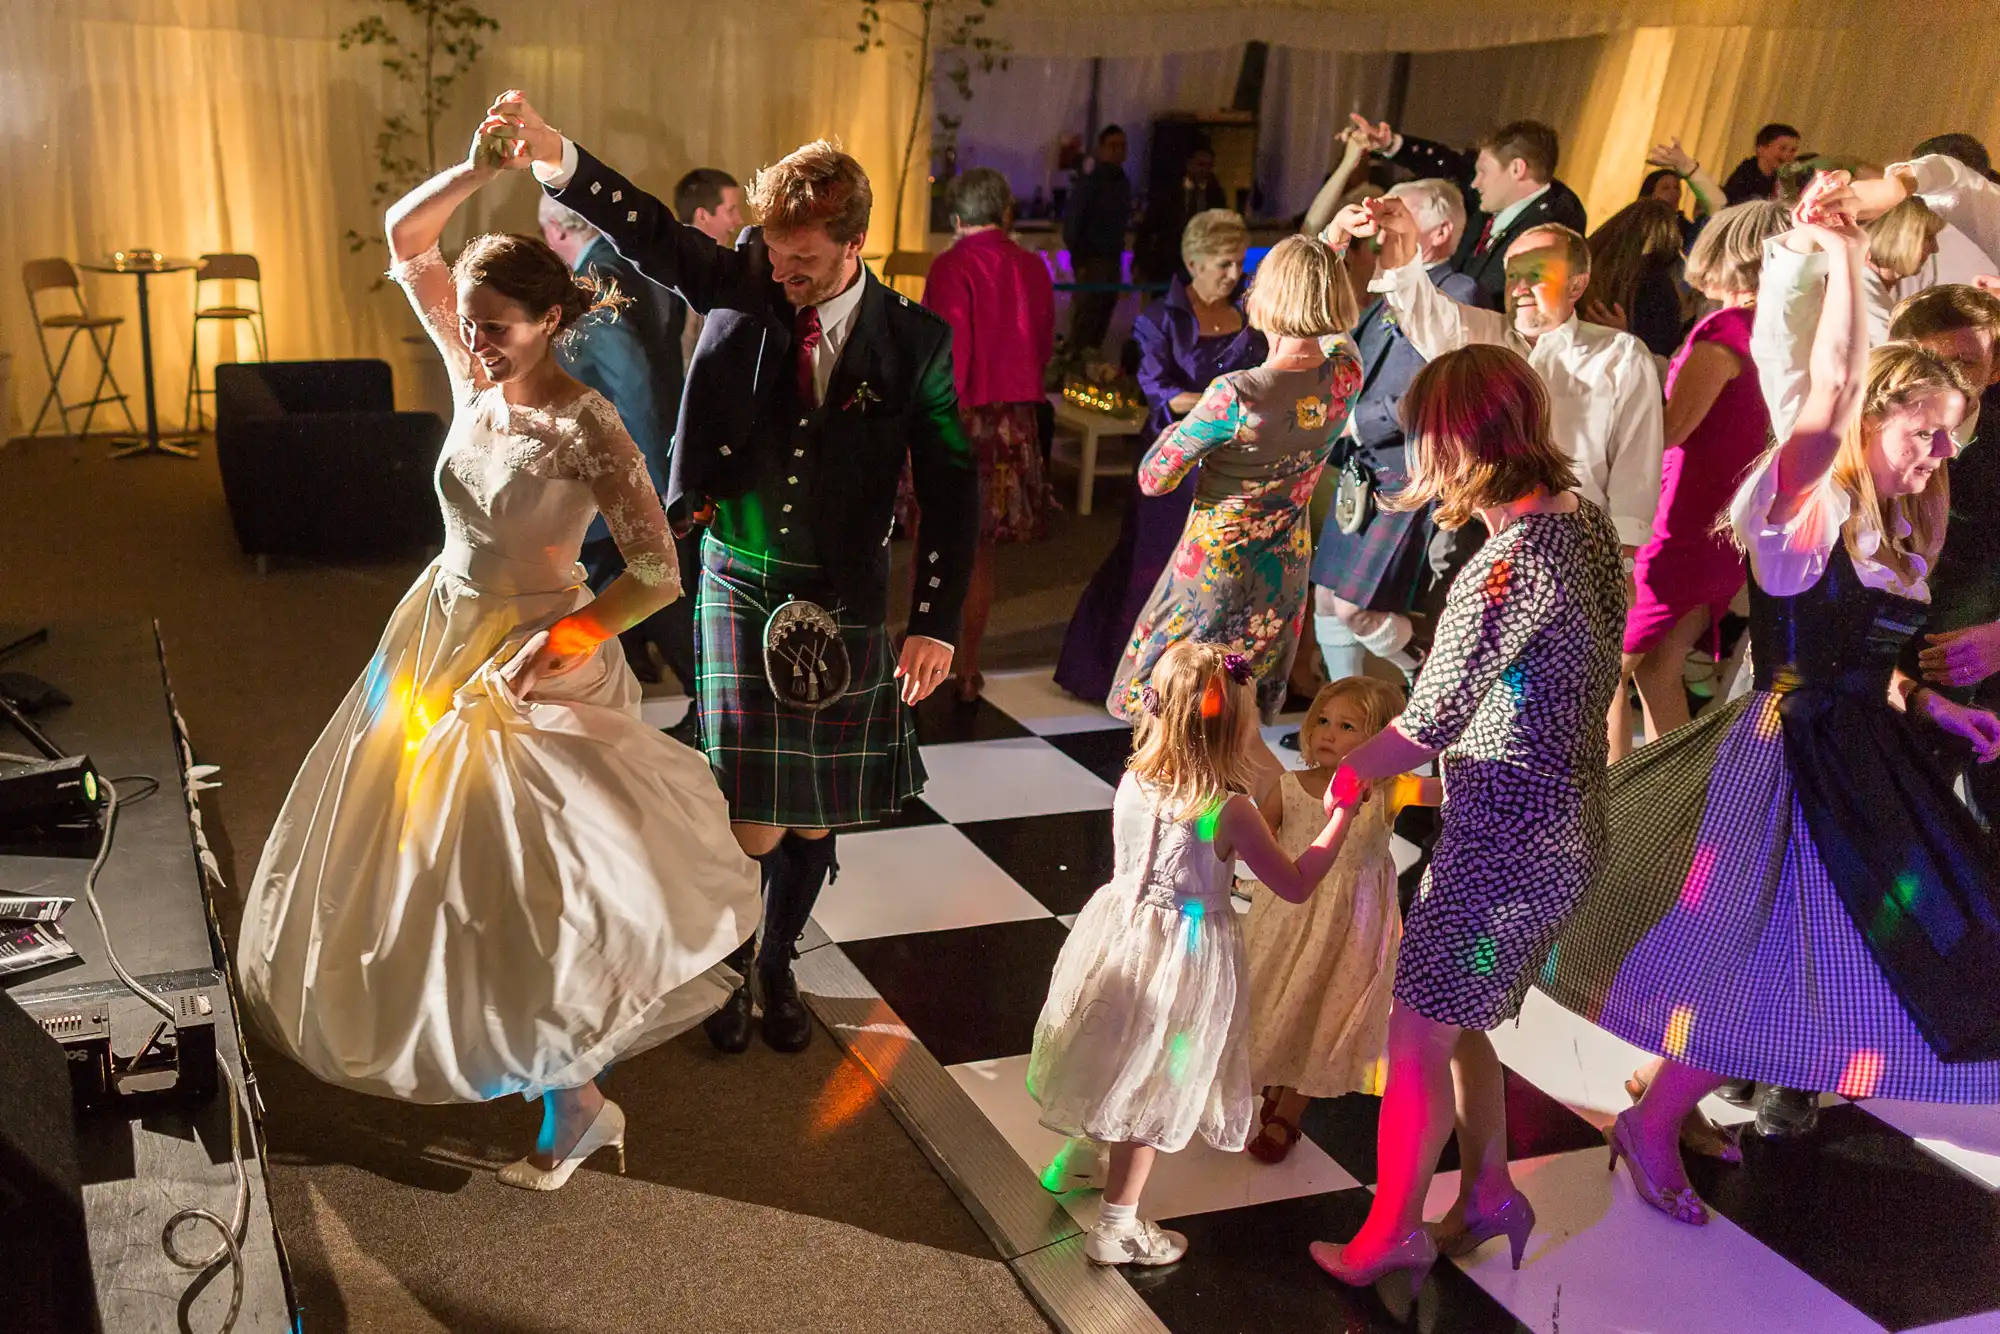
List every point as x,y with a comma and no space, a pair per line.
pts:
42,1234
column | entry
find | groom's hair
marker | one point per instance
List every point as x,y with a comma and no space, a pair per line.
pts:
815,185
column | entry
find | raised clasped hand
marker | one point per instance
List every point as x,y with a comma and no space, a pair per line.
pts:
1375,136
532,138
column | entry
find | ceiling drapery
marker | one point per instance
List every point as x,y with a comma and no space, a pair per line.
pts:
1157,27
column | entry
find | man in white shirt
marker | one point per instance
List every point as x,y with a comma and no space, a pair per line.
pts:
1604,389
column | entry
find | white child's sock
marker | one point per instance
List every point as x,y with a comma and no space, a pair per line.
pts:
1117,1217
1383,633
1338,648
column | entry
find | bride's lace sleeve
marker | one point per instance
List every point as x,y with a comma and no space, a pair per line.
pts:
604,455
426,281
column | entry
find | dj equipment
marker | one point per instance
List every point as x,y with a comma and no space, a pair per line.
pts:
42,1232
54,795
152,888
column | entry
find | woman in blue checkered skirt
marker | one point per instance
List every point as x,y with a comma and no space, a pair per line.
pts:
1794,895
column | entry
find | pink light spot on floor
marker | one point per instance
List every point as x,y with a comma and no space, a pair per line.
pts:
1862,1076
1696,884
1680,1027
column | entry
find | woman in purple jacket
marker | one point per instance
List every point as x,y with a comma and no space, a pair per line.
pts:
1185,341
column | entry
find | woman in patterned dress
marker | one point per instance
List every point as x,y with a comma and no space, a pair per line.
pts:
1185,340
1239,573
1795,895
1512,700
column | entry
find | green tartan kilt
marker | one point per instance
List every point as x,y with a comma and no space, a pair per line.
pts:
852,763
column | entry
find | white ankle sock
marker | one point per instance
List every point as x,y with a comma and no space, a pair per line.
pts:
1383,633
1338,647
1117,1217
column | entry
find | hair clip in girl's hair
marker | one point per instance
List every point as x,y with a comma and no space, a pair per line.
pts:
1150,699
1238,667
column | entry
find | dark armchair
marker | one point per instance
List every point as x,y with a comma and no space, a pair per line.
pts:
317,462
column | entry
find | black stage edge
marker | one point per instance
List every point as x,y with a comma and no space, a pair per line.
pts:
153,1139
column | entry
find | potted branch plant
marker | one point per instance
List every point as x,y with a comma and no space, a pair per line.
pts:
947,35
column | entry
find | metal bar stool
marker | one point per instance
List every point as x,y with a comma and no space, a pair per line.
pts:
220,269
906,264
41,276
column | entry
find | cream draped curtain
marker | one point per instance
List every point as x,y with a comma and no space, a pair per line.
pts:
1870,91
211,125
193,126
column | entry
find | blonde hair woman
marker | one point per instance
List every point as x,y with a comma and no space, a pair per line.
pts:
1196,333
1785,870
1511,701
1260,436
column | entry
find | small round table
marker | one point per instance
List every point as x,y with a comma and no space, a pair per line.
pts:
143,265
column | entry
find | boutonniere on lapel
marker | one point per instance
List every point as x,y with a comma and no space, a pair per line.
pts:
862,399
1388,316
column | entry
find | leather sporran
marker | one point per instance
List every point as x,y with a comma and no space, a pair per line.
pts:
805,661
1353,495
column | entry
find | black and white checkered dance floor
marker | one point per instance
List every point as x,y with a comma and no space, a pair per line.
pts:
944,928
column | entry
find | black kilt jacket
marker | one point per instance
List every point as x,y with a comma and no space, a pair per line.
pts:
740,408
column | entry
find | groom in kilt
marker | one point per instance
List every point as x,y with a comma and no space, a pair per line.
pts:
811,385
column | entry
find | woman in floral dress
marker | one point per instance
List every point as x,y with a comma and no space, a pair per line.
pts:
1239,573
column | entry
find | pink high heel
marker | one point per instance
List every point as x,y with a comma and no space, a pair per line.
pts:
1682,1205
1513,1219
1413,1255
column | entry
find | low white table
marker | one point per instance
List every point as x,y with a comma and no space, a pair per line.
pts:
1090,426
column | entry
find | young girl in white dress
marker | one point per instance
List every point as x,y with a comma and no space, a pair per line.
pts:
1321,972
1142,1043
491,876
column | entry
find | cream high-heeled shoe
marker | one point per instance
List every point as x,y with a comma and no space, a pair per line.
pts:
607,1131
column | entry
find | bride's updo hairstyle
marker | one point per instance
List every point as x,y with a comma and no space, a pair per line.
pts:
524,270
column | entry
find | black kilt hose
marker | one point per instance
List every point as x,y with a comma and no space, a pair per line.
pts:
854,762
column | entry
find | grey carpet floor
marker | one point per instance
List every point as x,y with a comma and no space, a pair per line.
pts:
764,1193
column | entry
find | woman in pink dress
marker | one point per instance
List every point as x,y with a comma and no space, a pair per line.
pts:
1716,427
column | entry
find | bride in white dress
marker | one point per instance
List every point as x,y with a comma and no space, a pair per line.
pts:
490,876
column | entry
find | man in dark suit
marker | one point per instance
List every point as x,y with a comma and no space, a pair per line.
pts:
1366,583
1156,248
1512,173
811,385
1094,222
633,359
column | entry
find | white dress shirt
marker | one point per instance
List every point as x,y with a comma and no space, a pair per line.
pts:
1959,195
1604,391
836,315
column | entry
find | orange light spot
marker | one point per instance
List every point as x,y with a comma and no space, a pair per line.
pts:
1680,1027
1862,1076
852,1086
